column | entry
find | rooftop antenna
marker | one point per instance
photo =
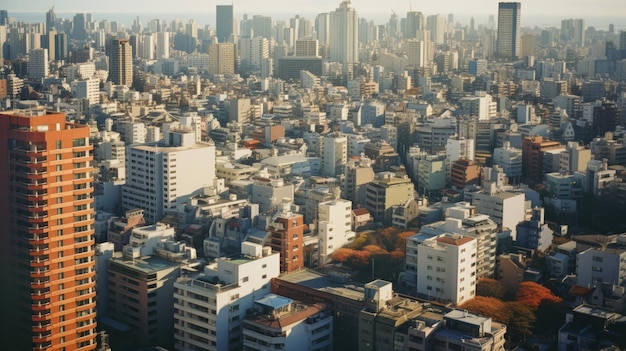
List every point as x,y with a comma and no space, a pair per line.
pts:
410,7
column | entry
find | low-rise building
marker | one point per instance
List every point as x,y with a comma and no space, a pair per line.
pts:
280,323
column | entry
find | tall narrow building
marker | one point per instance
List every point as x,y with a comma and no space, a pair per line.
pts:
509,43
344,33
225,22
121,62
47,233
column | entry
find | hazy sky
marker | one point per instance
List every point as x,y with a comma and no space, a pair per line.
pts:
544,8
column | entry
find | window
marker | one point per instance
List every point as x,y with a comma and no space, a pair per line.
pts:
58,144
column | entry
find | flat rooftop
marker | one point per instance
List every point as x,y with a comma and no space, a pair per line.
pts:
323,282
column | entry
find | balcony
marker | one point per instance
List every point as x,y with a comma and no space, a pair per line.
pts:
40,303
41,327
39,292
39,261
41,316
39,272
42,336
42,345
30,150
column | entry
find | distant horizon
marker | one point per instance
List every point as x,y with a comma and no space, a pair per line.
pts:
528,20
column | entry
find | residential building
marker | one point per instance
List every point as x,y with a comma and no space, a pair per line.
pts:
510,159
38,67
47,219
507,208
222,58
431,173
591,327
602,264
119,229
446,268
533,149
121,62
334,154
600,179
269,193
357,174
287,238
209,307
141,290
88,89
334,227
343,30
534,234
161,176
385,191
464,172
383,316
278,322
456,329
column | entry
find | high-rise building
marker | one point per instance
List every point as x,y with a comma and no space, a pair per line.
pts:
51,19
225,23
322,23
210,307
307,47
163,175
47,232
344,28
4,17
414,23
436,24
79,28
509,42
222,58
121,62
38,64
60,46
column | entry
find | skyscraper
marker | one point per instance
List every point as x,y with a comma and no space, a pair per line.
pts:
47,233
414,23
344,27
121,62
509,33
80,29
225,22
37,67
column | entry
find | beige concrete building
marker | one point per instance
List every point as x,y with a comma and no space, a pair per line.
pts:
385,191
222,58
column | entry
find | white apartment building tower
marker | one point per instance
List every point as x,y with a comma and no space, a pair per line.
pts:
162,175
509,159
446,268
209,307
334,154
87,89
335,226
506,208
344,28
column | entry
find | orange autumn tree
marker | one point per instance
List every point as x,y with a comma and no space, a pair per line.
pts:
487,306
532,295
490,288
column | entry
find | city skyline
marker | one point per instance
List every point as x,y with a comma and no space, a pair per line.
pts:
535,11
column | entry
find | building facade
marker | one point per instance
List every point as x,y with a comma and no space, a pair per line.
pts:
47,235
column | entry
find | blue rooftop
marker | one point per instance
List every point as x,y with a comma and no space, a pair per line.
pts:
274,301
